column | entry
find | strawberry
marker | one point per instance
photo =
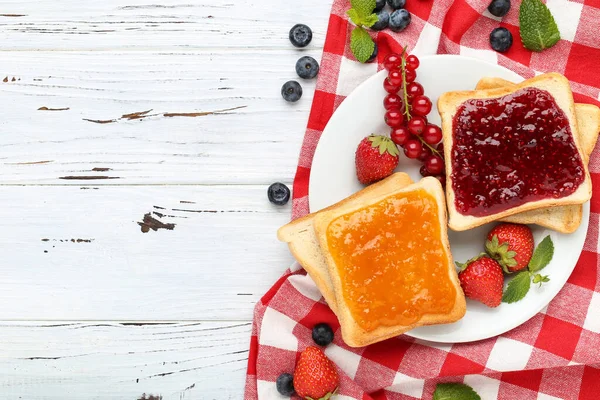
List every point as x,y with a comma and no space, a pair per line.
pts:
376,158
511,245
315,376
481,279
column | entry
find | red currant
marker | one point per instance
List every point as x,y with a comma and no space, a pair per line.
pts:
395,77
432,134
410,75
435,165
425,154
421,105
416,125
400,135
424,171
392,61
412,148
394,118
389,87
412,62
442,179
392,102
414,89
440,149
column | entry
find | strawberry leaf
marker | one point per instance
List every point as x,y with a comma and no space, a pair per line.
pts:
517,288
542,255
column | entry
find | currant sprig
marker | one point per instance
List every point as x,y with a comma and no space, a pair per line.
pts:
406,114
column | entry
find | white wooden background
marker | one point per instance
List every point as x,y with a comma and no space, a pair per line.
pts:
91,307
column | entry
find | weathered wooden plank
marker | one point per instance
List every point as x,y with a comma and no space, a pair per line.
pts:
73,253
237,146
107,360
168,24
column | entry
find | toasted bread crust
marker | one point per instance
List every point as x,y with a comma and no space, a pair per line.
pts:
448,103
352,333
564,219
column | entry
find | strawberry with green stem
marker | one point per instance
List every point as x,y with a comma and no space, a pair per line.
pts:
511,245
315,377
376,158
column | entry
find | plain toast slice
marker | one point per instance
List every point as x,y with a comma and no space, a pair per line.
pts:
448,104
565,219
304,245
353,332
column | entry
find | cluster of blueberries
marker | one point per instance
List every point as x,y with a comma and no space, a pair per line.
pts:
397,20
500,39
306,67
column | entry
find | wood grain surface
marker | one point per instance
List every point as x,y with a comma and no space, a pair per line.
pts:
137,141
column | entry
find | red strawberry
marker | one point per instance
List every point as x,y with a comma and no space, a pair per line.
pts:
481,279
315,376
376,158
511,245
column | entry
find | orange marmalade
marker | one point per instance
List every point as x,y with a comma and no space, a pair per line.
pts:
392,261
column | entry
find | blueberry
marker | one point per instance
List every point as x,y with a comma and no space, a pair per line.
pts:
374,55
396,4
501,39
322,334
379,4
300,35
278,194
399,20
382,21
499,8
285,384
307,67
291,91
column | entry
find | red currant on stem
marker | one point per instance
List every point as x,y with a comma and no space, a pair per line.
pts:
400,135
435,165
416,125
392,102
432,134
421,105
395,77
394,118
411,75
424,171
389,87
412,62
414,89
392,61
412,148
425,154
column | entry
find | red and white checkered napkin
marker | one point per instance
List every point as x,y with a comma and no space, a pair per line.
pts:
556,354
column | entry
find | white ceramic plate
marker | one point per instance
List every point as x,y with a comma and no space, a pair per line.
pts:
333,178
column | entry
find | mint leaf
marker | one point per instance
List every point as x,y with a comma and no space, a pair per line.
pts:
363,8
517,288
542,255
454,391
361,44
538,28
354,17
370,20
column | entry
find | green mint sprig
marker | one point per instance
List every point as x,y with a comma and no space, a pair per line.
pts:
454,391
361,43
519,286
537,26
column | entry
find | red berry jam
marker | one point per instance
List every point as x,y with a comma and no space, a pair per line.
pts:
512,150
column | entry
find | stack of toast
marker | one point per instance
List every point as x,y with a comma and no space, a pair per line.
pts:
308,241
563,213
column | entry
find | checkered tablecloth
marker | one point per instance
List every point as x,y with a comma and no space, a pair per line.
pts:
554,355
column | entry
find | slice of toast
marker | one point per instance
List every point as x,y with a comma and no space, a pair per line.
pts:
448,104
355,333
304,245
565,219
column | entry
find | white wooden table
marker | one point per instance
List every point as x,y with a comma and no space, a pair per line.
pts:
92,307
